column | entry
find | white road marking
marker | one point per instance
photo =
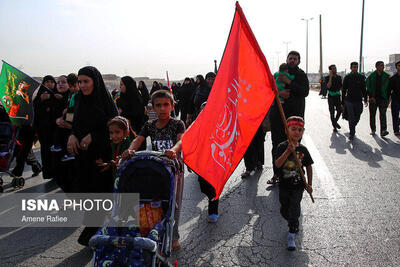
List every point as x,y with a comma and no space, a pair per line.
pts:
325,178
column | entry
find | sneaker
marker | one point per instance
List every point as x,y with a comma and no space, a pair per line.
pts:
55,148
372,133
213,218
273,180
291,243
337,125
384,133
335,130
67,157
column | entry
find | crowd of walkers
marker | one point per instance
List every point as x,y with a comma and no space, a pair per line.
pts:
83,129
377,91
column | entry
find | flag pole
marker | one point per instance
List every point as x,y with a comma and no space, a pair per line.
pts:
278,102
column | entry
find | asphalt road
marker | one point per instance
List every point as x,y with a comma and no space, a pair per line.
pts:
355,220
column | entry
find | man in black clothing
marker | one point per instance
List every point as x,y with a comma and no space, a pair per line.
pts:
394,94
353,93
334,85
295,102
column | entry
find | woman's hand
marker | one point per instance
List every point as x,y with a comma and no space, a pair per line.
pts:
58,96
45,96
73,145
85,142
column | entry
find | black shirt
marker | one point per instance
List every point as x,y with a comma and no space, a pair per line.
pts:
354,88
289,173
394,87
336,83
164,138
299,88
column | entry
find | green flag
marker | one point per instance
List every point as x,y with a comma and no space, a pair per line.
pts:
16,90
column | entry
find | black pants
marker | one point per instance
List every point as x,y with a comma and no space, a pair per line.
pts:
46,140
254,155
354,110
25,153
60,138
290,199
334,104
278,134
207,189
382,104
395,106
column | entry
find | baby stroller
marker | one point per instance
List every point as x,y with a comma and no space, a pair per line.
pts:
8,145
154,177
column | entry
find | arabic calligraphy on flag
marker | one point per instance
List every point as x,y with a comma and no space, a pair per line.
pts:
241,96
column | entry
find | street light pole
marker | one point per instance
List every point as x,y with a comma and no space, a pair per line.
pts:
362,31
287,47
306,20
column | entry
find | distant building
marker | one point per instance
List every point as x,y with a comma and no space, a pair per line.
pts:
390,67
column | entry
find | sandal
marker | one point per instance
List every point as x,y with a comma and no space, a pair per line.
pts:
245,174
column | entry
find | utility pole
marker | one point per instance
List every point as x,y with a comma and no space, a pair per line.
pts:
306,20
320,48
362,31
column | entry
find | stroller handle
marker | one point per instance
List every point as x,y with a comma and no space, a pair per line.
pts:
122,242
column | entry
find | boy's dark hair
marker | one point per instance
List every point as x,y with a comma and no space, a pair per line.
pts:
378,62
283,67
397,63
294,53
72,79
162,94
353,63
295,119
331,66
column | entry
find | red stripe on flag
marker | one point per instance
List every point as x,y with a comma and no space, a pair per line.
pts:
241,96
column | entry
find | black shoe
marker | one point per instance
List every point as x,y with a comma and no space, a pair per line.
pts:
337,125
384,133
351,137
335,130
36,169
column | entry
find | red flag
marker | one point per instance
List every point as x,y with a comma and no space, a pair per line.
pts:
242,94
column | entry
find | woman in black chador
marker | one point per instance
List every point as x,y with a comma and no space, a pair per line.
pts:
89,140
44,123
130,103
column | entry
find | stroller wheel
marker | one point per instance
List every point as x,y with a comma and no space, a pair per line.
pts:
21,182
1,181
1,189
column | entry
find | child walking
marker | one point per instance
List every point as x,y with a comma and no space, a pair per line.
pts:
291,185
120,136
164,133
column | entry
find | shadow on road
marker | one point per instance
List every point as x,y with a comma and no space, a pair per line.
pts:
81,258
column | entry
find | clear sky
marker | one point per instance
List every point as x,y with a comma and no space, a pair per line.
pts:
149,37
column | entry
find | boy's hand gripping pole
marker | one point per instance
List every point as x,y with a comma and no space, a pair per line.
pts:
278,102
